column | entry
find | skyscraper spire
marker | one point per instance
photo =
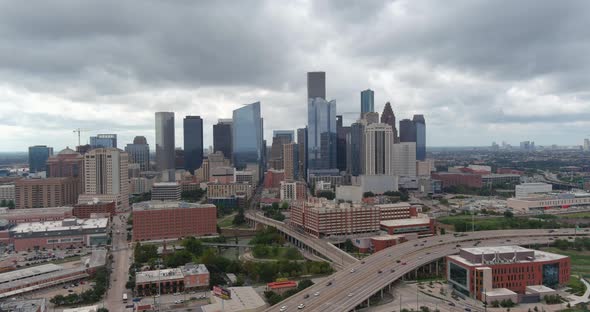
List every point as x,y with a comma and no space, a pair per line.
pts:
388,117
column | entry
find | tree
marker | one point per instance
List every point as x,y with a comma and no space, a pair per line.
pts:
443,231
178,258
285,206
193,245
275,206
304,284
508,214
326,194
348,246
368,194
102,310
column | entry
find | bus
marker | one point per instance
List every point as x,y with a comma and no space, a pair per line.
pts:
124,297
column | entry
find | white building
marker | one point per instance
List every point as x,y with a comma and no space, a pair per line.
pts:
166,191
106,176
378,149
527,189
404,159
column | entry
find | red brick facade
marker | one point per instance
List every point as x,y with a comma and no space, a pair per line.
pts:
174,223
456,179
83,211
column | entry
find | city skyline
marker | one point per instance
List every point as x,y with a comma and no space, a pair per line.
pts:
470,88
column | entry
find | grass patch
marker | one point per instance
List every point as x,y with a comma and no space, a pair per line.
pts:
226,221
578,215
576,286
462,223
276,253
580,260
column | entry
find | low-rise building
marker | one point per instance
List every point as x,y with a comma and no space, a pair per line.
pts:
30,305
527,189
273,178
497,178
378,243
16,216
166,191
449,179
86,210
281,287
215,190
421,225
496,273
162,220
293,190
189,277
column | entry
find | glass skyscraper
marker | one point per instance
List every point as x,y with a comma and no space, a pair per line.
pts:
104,141
316,85
354,149
193,143
407,131
165,141
420,125
248,147
38,156
139,153
222,137
321,134
367,102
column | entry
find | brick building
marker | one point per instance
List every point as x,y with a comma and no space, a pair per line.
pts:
400,210
216,190
166,191
16,216
42,193
273,178
421,225
293,190
455,179
505,271
160,220
189,277
84,211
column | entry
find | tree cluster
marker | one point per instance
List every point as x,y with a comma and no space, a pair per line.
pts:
274,298
87,297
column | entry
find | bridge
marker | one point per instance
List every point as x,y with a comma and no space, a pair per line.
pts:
353,286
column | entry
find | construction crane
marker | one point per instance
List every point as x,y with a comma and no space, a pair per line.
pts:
78,130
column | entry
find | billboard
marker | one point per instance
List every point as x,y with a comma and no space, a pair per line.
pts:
221,292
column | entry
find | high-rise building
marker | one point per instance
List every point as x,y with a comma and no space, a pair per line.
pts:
276,150
38,156
193,143
290,161
165,141
316,85
404,159
178,161
420,125
371,118
378,149
586,146
106,176
302,152
222,137
248,147
103,140
341,133
367,102
43,193
139,153
388,117
407,131
354,151
321,134
67,164
288,134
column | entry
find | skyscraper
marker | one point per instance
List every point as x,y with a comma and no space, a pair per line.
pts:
193,143
38,156
341,133
388,117
290,161
280,138
222,137
248,146
67,164
316,85
288,134
321,134
420,126
407,131
302,150
103,140
354,151
139,153
378,149
165,141
404,159
367,102
106,176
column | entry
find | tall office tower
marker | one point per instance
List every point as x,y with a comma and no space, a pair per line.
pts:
106,176
388,117
291,161
341,133
420,126
222,137
302,148
371,118
367,102
165,141
354,151
139,153
67,164
38,156
193,143
321,134
316,85
248,145
103,140
404,159
407,131
289,135
276,150
378,149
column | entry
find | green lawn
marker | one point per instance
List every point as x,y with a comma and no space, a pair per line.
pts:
580,260
276,253
581,215
226,221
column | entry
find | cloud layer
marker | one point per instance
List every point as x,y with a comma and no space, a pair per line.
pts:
479,71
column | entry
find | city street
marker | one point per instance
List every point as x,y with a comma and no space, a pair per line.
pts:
121,254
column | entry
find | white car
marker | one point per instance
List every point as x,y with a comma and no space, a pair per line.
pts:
301,306
317,294
350,295
351,270
283,309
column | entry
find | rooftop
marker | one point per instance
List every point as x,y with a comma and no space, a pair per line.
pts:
387,237
405,222
539,289
53,226
495,249
505,254
499,292
32,305
193,269
164,184
158,275
162,205
396,205
93,308
29,211
242,299
28,272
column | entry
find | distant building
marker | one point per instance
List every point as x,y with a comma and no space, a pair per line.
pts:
38,156
161,220
354,148
273,178
321,134
49,192
302,152
276,150
25,215
67,163
170,281
421,225
193,143
420,126
388,117
291,161
527,146
165,141
103,141
407,131
86,210
166,191
316,85
367,102
106,177
378,151
341,144
247,138
449,179
7,192
541,203
496,179
222,137
528,189
503,272
139,153
404,159
293,190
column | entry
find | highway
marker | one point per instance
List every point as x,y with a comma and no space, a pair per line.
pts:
338,257
349,289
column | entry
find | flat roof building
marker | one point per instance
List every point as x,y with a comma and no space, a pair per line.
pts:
15,216
190,276
421,225
527,189
166,191
42,193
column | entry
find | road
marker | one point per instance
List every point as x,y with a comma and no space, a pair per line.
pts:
349,289
121,254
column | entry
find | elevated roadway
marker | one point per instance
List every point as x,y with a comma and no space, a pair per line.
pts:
352,286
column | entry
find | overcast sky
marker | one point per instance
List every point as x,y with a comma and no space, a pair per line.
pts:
479,71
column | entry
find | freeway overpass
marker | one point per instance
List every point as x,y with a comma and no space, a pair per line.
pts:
338,257
352,287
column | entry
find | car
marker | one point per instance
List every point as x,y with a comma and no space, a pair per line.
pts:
362,262
467,309
329,284
351,270
70,290
398,261
424,241
458,246
379,272
176,294
392,270
419,258
301,306
317,293
403,263
283,309
452,304
350,294
176,301
415,245
306,296
440,240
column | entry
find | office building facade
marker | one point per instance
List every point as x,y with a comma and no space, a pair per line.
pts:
106,176
420,126
38,156
302,148
166,191
378,150
404,159
165,144
104,141
43,193
291,161
193,143
407,131
222,137
388,117
248,147
139,153
321,134
367,102
341,145
354,151
316,85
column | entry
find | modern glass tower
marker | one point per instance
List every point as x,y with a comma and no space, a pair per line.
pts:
420,125
407,131
193,143
354,149
367,102
321,134
104,141
248,146
139,153
38,156
165,141
222,137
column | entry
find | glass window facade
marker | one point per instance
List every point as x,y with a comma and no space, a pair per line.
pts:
367,101
165,140
458,274
193,143
420,126
321,134
247,136
38,156
551,275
